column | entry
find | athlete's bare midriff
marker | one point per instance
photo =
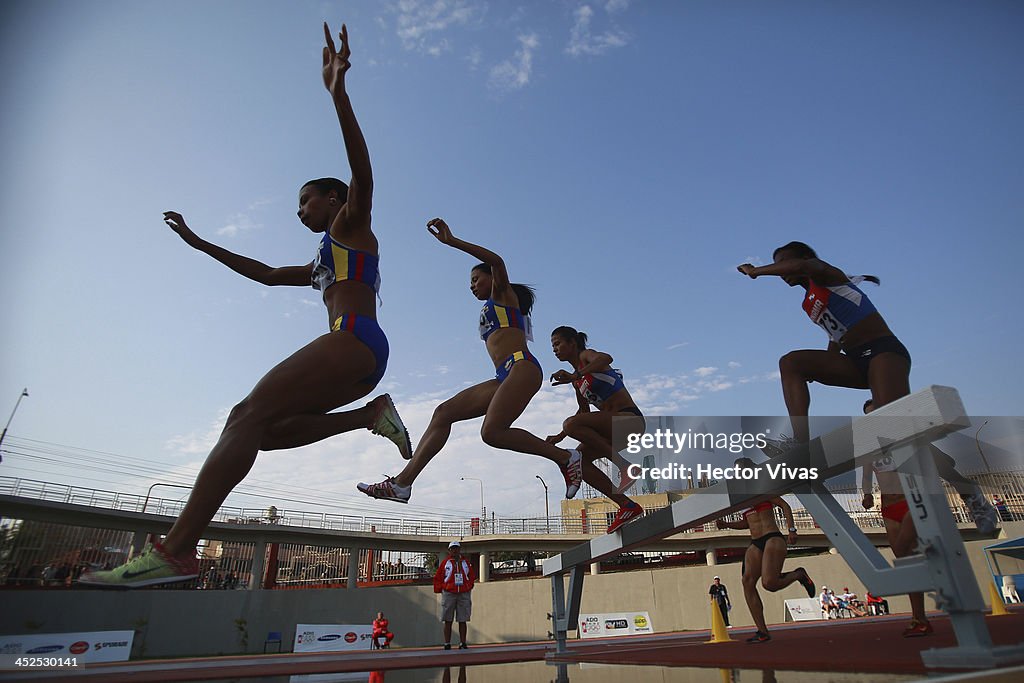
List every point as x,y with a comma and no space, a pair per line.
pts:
762,523
350,296
503,342
617,402
867,330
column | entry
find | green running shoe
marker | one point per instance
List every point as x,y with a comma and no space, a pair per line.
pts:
153,566
388,423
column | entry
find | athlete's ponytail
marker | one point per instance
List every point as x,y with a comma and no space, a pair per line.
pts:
570,334
525,293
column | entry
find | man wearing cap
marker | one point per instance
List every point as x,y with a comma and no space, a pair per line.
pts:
454,581
720,594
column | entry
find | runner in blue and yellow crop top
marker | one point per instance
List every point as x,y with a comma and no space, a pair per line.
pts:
862,353
504,328
290,406
600,385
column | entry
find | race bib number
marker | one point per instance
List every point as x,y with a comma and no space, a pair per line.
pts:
458,578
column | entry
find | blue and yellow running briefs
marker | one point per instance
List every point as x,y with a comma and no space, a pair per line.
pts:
335,262
494,317
502,370
367,331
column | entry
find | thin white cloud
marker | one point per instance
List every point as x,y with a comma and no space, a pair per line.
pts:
420,23
733,365
705,371
583,42
615,6
677,346
514,74
240,222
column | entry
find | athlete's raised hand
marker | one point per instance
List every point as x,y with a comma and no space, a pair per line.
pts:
439,229
748,270
561,377
177,223
336,63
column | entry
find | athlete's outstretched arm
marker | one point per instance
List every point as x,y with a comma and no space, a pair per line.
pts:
813,268
355,215
297,276
499,274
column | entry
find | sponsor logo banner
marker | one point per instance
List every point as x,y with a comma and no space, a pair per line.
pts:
803,609
615,624
332,637
86,647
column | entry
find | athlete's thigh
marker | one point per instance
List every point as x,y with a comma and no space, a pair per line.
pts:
513,395
600,422
323,375
470,402
888,378
773,558
752,564
830,368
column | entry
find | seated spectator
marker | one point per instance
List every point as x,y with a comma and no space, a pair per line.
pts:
380,630
852,603
877,605
829,609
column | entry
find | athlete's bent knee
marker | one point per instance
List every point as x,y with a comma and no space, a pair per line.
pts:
493,436
570,425
790,365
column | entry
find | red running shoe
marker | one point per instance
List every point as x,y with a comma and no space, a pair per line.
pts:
917,629
573,473
625,514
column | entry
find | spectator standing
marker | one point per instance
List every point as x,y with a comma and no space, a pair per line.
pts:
720,594
454,581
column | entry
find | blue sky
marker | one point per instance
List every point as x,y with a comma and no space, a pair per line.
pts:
623,157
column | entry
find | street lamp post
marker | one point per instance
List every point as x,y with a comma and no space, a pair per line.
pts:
160,483
483,510
547,515
139,540
977,441
23,394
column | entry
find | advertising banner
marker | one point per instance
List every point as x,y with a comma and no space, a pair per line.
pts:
803,609
615,624
85,647
332,637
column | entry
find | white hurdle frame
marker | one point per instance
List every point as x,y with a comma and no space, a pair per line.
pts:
903,429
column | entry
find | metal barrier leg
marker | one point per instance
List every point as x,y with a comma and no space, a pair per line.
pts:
565,613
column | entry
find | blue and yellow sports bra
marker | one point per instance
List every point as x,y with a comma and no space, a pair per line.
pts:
335,262
836,309
597,387
494,317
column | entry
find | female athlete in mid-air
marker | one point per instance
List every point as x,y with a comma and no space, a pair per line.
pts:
289,406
